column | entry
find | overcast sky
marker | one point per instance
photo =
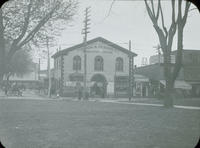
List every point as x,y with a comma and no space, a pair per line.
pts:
128,20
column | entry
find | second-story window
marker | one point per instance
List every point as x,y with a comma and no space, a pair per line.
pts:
119,64
98,63
77,63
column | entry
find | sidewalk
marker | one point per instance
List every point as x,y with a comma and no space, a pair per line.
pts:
139,100
188,103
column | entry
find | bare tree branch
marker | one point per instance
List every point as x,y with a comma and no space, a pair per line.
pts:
149,11
181,23
152,7
159,31
173,25
163,23
25,26
158,10
37,28
187,6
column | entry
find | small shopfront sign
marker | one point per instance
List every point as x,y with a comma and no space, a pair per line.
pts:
76,77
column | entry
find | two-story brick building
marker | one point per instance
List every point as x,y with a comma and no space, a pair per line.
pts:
107,66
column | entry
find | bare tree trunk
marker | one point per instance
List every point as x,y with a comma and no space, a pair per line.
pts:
166,40
169,85
169,93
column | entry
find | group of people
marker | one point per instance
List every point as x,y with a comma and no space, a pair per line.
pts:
13,89
95,90
80,92
99,90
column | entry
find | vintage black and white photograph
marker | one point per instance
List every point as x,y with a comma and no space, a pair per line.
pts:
99,74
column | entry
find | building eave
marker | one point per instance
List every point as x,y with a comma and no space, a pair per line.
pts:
67,50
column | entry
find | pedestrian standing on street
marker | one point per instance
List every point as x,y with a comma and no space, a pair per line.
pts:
80,93
6,87
79,90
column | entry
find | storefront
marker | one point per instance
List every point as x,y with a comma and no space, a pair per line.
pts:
142,86
70,87
121,86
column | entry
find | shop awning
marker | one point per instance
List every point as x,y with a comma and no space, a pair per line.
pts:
140,78
179,84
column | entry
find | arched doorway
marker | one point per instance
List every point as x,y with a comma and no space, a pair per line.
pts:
99,86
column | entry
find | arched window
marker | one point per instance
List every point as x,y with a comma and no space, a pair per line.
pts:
119,64
77,63
98,63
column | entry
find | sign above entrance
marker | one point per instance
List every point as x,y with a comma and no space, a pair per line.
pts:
99,48
76,77
98,51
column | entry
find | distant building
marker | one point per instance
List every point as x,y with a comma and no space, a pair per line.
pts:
107,68
43,74
189,76
159,59
44,79
29,79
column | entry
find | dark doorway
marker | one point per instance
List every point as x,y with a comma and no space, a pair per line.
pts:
99,86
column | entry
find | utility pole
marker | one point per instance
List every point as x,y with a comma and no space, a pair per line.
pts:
39,70
159,53
130,73
85,31
48,67
158,47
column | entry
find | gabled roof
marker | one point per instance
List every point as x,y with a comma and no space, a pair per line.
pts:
65,51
